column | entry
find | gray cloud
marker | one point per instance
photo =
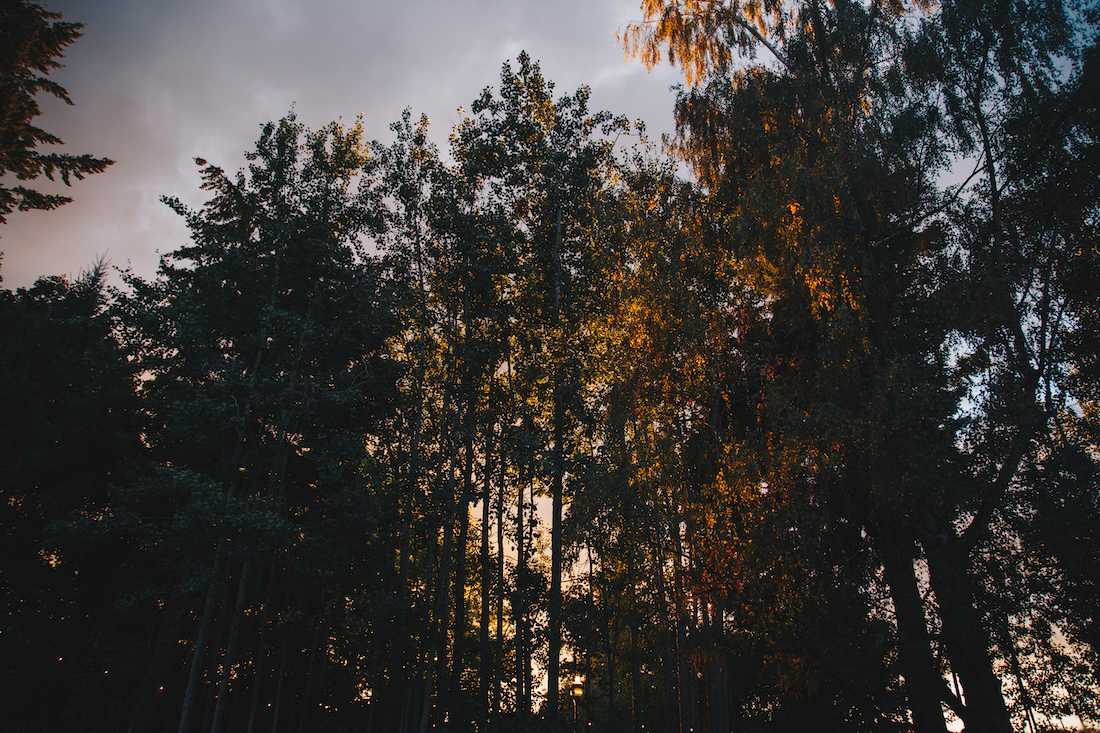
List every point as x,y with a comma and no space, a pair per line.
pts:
156,83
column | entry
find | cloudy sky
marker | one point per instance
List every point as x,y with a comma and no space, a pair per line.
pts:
158,82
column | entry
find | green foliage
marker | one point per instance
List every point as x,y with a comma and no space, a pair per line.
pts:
68,396
807,441
31,41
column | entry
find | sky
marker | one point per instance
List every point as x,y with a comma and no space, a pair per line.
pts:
158,82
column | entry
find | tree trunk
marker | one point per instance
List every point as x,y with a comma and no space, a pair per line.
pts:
967,643
518,610
283,654
670,666
718,677
404,642
442,615
455,698
231,649
317,659
437,645
684,702
407,710
612,703
422,712
498,661
590,641
635,679
161,657
261,651
201,636
922,680
1018,673
218,637
486,662
553,631
459,720
528,647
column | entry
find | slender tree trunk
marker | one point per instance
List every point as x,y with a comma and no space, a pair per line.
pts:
590,641
161,657
217,646
313,671
458,713
231,649
438,677
922,680
261,647
498,661
201,637
443,585
610,640
1018,673
486,661
553,631
283,655
518,610
407,652
459,720
670,666
719,685
403,663
528,648
407,710
612,703
635,678
684,704
429,621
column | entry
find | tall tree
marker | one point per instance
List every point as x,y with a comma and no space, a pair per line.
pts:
68,393
264,336
868,258
552,156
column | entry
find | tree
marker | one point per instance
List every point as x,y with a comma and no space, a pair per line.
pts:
32,39
552,161
62,372
264,344
865,261
807,439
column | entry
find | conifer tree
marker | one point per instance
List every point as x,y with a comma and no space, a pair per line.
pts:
32,39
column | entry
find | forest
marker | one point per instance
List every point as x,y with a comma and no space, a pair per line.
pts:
788,421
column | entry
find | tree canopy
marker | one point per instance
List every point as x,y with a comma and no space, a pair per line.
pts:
542,431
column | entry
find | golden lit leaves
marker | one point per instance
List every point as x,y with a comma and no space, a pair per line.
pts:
684,31
701,35
822,297
52,558
767,123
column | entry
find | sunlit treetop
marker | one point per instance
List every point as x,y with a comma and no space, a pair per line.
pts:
704,36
